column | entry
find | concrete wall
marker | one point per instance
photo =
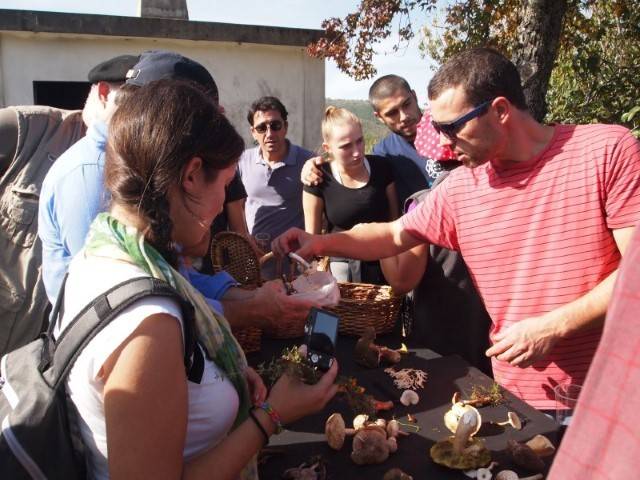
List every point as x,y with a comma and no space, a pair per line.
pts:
243,72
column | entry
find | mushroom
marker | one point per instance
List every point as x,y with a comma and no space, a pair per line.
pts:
541,445
511,475
335,431
393,428
481,473
396,474
381,406
524,456
359,421
311,470
368,354
370,445
512,419
466,429
453,415
409,397
462,451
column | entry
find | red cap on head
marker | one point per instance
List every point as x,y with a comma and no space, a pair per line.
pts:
427,141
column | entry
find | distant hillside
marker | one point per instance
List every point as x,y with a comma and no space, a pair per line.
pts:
373,129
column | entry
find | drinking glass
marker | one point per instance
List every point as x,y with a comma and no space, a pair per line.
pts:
566,399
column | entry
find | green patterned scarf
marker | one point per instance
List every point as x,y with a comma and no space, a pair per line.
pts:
110,238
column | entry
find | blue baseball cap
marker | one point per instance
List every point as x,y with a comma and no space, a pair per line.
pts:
162,64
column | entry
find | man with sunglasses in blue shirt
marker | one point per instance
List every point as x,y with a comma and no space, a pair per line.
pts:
270,173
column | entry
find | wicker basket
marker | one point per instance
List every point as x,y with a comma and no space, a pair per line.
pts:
235,254
364,305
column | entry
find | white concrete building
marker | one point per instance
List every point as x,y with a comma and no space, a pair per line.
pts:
41,53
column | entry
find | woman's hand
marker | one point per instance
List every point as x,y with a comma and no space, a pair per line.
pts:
293,399
257,388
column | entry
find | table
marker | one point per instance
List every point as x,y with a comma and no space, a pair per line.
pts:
305,438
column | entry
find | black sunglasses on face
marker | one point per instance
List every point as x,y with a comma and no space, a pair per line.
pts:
450,129
274,125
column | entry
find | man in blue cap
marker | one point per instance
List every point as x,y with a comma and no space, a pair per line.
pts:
73,194
32,137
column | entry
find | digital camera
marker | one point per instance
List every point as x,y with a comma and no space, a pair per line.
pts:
321,332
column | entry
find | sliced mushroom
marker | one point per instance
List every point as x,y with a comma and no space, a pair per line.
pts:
409,397
541,445
334,429
512,419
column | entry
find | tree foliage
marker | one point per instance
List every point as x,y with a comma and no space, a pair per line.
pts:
594,76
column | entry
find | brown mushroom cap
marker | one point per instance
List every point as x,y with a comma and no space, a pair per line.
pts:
370,445
541,445
396,474
335,431
524,456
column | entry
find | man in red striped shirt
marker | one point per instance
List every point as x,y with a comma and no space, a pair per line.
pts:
602,441
542,215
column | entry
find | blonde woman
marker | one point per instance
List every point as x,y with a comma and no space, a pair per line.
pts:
357,188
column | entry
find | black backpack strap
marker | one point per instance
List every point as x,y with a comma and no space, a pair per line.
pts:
97,314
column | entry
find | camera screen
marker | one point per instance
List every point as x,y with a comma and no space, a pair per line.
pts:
324,332
327,324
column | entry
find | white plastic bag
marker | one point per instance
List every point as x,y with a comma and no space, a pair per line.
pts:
319,287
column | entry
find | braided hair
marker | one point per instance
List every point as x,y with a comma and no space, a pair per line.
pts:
154,133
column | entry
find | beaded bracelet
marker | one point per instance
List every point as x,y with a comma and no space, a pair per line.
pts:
273,415
259,425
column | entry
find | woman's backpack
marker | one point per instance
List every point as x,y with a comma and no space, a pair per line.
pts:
39,436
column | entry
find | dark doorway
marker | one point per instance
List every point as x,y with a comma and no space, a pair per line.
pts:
67,95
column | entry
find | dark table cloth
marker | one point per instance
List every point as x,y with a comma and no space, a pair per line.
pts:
305,438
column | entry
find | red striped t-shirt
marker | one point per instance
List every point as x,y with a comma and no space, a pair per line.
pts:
538,235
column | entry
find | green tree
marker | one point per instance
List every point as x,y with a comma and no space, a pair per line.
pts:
579,55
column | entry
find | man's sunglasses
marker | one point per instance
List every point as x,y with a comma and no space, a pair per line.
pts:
451,129
275,125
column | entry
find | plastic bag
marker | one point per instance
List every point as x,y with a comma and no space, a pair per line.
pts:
319,287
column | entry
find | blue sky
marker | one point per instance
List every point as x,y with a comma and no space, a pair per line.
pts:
285,13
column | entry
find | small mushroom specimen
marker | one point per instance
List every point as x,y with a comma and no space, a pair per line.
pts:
524,456
511,475
393,428
483,473
409,397
314,469
462,451
541,445
396,474
368,354
512,419
335,431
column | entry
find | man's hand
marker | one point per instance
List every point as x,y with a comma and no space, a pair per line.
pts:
311,174
280,308
295,240
527,341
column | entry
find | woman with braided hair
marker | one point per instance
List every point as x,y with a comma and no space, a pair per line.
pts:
170,154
